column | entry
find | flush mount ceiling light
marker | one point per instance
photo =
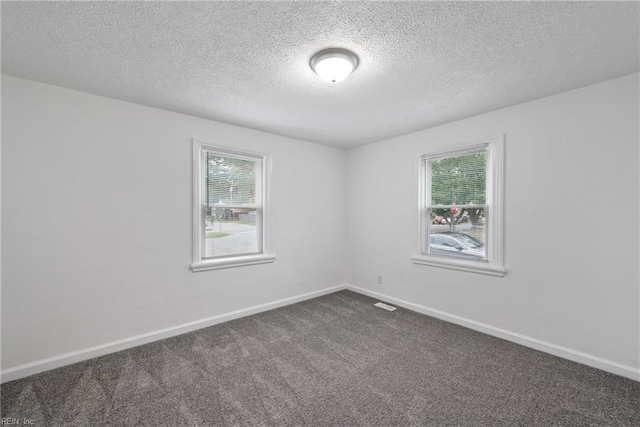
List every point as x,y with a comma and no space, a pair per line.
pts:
334,65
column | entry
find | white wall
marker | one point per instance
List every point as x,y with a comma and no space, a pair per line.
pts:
571,222
96,221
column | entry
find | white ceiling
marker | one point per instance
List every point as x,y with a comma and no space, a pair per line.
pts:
247,63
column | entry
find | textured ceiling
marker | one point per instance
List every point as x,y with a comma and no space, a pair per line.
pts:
247,63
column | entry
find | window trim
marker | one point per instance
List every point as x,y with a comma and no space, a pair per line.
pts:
495,204
266,256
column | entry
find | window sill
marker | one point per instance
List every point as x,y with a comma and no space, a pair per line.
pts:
239,261
469,266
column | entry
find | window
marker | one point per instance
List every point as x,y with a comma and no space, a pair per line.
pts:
461,214
230,208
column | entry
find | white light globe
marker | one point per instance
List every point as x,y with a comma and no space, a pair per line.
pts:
334,65
334,70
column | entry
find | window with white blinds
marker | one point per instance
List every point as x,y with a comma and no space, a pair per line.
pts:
461,207
229,208
456,212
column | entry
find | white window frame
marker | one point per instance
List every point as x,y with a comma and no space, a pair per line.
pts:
262,202
494,265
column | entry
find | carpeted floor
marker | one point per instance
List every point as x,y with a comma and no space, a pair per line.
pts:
332,361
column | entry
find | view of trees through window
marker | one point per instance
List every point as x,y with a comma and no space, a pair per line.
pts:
230,204
229,180
457,210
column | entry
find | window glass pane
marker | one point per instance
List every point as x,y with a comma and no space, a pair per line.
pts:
459,234
229,180
231,222
230,232
460,179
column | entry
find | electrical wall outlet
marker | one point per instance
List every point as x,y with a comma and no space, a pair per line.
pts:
379,280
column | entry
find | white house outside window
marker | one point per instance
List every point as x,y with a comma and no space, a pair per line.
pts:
230,208
460,210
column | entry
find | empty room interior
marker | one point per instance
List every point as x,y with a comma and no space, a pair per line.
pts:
320,213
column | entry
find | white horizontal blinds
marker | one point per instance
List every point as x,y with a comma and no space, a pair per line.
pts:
231,197
459,179
229,180
457,205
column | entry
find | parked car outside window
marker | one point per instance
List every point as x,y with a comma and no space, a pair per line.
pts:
456,244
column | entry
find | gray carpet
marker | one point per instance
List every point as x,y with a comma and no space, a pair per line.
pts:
332,361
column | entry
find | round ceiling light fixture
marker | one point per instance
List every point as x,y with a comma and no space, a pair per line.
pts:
334,65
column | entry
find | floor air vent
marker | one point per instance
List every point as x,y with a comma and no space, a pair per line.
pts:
385,306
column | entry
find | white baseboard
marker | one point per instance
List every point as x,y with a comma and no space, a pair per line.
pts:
101,350
43,365
556,350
